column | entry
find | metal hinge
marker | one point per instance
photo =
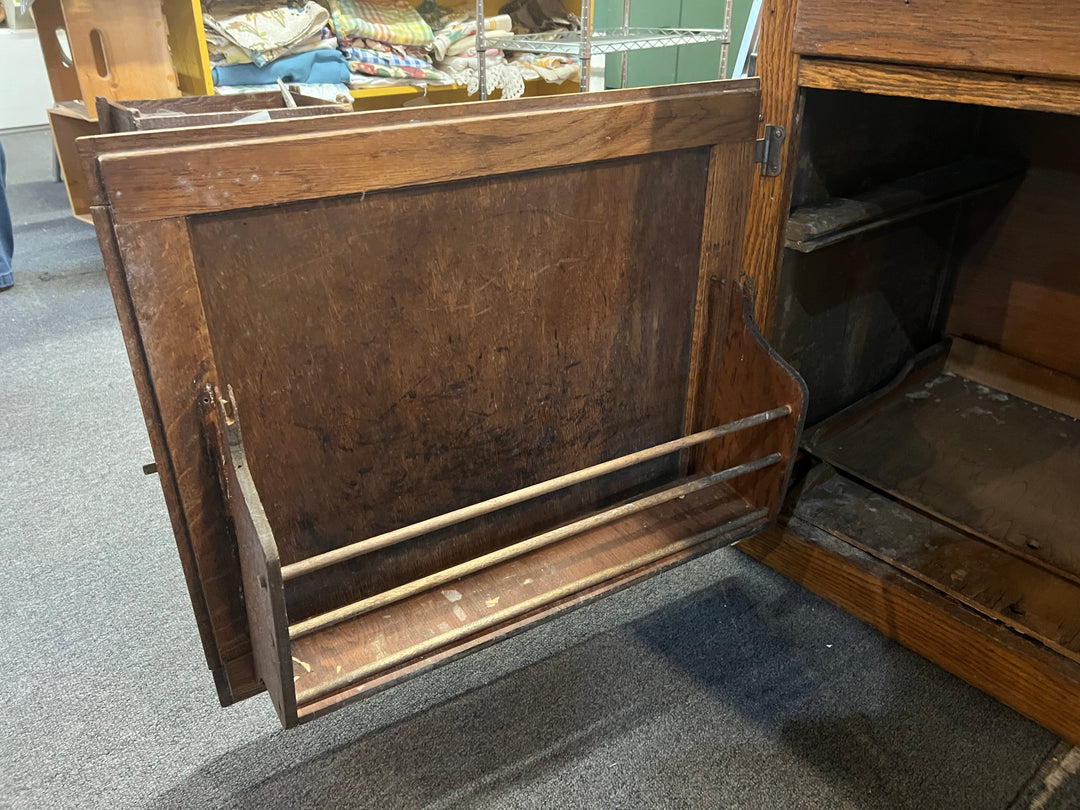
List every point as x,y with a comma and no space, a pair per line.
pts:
767,150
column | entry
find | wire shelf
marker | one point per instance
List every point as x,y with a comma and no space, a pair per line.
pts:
613,41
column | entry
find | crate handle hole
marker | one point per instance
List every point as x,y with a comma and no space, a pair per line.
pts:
97,43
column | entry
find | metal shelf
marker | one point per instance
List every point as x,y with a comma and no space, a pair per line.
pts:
617,40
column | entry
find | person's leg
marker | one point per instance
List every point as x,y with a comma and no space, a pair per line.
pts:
7,238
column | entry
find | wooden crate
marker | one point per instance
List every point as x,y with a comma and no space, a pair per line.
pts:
202,111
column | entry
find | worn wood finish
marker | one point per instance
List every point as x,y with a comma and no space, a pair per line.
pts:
938,84
148,184
1018,289
988,462
1024,36
205,111
164,297
540,339
733,382
91,149
1043,386
1017,593
129,324
1023,674
698,521
389,372
770,201
264,594
819,225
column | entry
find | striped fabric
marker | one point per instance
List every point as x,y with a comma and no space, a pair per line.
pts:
370,57
396,22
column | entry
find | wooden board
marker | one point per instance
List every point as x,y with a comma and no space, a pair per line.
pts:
146,184
939,84
1007,588
1024,36
1023,674
67,122
187,45
1017,288
770,201
120,49
63,80
996,465
376,637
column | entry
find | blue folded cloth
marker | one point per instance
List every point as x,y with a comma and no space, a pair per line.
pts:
315,67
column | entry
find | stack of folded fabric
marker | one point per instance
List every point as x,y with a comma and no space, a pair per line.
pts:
385,42
257,42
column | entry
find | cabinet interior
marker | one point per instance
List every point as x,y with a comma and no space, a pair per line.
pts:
930,300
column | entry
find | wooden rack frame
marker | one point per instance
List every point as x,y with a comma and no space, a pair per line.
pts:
549,391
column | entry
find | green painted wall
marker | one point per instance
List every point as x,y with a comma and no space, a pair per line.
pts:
691,63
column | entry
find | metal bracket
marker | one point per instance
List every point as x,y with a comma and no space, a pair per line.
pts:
767,150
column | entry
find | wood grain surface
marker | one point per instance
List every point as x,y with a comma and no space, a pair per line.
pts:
378,636
990,463
395,373
1023,674
159,270
1023,36
1026,597
91,149
940,84
770,202
152,183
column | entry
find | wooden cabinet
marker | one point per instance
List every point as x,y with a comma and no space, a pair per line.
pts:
491,362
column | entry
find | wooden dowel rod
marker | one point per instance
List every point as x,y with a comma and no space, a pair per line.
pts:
381,600
361,547
433,644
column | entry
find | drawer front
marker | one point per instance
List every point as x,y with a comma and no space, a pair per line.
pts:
1026,36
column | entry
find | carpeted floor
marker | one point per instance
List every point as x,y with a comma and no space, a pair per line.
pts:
719,684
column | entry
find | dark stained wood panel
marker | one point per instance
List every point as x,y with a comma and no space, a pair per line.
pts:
1023,36
991,463
377,636
1024,596
546,320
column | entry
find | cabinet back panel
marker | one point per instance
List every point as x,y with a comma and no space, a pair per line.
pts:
401,354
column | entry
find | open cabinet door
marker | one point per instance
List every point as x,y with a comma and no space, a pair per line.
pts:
489,362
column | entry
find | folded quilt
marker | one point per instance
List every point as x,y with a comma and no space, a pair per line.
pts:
368,56
232,54
264,35
396,22
316,67
428,75
451,35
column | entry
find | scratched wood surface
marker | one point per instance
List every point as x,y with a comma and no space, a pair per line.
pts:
998,466
148,183
1024,596
387,373
377,636
1022,36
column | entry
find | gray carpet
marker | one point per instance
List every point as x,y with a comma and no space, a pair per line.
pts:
719,684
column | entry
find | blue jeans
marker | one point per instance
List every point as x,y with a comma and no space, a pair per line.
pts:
7,238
